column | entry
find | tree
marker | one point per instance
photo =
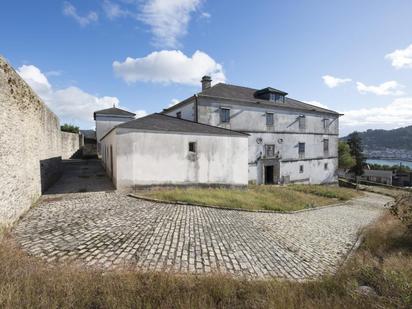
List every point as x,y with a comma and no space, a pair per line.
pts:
345,159
69,128
356,151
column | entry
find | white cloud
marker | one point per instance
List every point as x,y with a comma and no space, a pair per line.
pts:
388,88
205,15
140,113
317,103
333,82
173,102
396,114
170,66
36,79
70,10
71,104
113,10
401,58
53,73
168,19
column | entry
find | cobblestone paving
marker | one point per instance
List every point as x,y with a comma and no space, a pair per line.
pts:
108,229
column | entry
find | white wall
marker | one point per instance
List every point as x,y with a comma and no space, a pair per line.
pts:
105,123
251,119
313,171
146,158
288,153
287,145
109,157
187,110
285,134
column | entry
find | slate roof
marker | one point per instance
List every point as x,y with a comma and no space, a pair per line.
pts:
113,111
248,94
160,122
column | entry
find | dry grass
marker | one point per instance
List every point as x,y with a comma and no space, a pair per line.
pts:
384,262
285,198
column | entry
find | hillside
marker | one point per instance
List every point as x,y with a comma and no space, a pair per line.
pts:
400,138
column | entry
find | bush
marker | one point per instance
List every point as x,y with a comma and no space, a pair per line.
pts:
402,209
69,128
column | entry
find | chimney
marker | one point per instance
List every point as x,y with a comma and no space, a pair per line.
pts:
206,82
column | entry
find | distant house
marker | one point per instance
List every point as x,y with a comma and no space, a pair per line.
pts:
378,176
289,140
402,179
108,118
163,150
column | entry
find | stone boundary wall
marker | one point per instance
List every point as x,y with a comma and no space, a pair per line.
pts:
30,145
70,145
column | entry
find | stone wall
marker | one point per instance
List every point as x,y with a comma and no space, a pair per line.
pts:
70,145
30,145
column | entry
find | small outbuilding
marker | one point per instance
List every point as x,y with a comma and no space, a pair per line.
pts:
164,150
108,118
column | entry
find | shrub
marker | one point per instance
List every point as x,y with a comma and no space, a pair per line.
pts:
402,209
69,128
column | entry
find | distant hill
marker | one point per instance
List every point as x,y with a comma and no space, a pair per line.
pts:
380,139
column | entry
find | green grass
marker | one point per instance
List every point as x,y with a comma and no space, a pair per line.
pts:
393,192
279,198
342,194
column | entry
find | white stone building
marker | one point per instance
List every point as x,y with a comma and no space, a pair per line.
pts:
289,140
163,150
107,119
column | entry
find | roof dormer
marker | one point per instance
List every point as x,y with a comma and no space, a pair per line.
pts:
271,94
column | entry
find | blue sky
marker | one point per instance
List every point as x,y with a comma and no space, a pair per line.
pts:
351,56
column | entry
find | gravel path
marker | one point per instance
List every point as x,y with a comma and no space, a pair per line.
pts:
108,229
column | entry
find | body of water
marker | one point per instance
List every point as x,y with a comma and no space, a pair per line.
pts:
389,162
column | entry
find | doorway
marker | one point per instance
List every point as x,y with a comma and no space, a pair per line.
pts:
269,175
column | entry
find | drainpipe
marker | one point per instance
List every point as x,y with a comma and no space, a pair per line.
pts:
196,109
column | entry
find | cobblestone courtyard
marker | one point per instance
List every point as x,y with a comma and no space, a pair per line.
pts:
109,229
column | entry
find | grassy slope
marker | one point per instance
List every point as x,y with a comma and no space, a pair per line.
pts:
394,192
384,262
294,197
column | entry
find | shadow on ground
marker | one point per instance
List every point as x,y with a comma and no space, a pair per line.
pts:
81,176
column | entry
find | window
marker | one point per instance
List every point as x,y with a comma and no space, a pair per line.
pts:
269,119
276,97
224,115
192,146
325,166
325,123
179,115
301,169
325,146
302,122
270,151
301,150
